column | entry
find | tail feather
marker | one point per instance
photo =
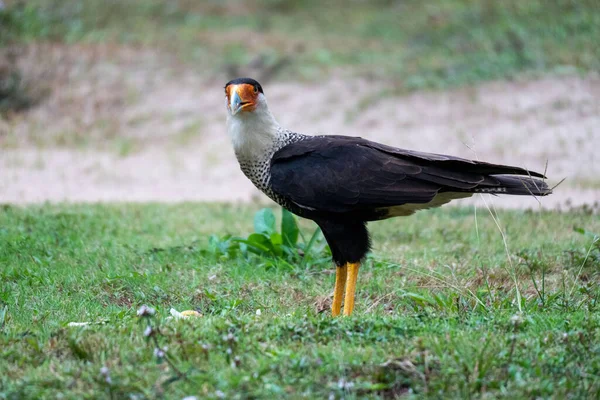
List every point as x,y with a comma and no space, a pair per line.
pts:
516,185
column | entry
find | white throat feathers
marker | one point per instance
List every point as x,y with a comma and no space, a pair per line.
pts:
253,133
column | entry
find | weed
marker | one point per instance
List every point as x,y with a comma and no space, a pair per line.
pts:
276,248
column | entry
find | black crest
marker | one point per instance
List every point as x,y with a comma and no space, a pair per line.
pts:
249,81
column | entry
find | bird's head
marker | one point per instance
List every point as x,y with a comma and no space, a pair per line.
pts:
250,124
244,95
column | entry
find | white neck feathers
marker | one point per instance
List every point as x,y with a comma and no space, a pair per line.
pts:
252,133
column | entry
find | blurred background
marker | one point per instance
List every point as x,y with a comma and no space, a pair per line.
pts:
122,100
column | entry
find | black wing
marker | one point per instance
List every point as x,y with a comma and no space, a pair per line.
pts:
341,174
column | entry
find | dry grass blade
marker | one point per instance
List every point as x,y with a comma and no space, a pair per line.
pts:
511,271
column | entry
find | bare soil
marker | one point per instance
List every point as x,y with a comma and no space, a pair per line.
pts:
124,125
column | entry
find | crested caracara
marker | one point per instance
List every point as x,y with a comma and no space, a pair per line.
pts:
343,182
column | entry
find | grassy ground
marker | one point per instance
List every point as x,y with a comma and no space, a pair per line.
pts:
442,311
437,312
448,43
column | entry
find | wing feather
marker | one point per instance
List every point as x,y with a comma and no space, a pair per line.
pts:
340,174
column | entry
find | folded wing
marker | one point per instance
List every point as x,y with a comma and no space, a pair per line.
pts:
344,174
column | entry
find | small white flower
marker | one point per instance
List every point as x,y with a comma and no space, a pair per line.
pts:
229,338
148,331
159,353
106,373
258,312
145,311
516,319
344,384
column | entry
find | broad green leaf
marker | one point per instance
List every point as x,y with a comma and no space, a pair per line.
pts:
289,228
276,239
259,243
264,221
277,242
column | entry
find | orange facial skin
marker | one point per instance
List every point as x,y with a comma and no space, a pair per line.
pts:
242,97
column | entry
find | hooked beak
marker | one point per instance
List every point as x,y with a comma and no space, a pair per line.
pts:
241,98
236,103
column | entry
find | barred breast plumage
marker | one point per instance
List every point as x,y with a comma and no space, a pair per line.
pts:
258,169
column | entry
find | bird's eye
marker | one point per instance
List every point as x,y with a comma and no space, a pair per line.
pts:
255,89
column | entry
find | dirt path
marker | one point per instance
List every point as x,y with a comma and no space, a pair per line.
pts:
175,126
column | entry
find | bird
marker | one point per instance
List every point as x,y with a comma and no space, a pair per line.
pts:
344,182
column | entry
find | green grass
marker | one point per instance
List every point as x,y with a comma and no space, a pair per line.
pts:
436,314
414,45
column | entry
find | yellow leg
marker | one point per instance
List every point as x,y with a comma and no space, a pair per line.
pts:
350,288
338,293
